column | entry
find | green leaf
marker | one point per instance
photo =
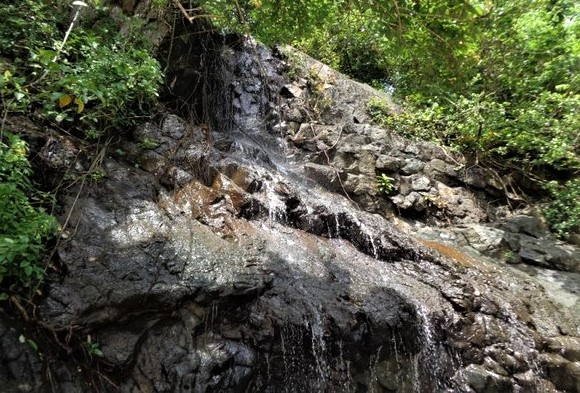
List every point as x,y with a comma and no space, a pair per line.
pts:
54,96
32,344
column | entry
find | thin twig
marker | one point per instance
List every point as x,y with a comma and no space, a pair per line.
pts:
170,51
61,46
186,14
241,18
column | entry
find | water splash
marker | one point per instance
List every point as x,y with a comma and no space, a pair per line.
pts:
276,207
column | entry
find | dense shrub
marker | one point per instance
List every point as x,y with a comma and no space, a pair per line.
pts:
93,81
563,212
24,226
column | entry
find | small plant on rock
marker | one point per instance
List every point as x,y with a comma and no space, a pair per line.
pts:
510,257
295,63
93,348
385,183
148,143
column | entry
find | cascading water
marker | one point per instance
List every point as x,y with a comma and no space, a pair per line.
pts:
309,363
293,359
318,349
430,353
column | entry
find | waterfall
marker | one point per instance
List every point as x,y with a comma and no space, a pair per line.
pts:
309,362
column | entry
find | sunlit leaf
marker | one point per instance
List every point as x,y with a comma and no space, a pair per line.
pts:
80,105
64,100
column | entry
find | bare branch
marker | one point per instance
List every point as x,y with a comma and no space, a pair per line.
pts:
186,13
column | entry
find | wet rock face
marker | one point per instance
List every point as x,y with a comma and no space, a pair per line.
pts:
21,368
182,295
241,258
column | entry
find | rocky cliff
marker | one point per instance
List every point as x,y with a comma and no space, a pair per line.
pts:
242,244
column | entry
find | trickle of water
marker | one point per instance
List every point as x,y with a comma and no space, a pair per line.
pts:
395,349
416,376
319,349
283,345
373,363
430,353
343,366
367,233
268,375
291,338
374,247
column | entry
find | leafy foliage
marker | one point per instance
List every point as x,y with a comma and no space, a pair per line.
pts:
414,45
563,213
96,80
529,67
23,226
523,98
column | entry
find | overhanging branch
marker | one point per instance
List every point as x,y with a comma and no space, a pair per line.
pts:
188,13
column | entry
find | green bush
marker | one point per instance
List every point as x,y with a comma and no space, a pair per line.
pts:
109,87
23,226
95,80
563,213
531,135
